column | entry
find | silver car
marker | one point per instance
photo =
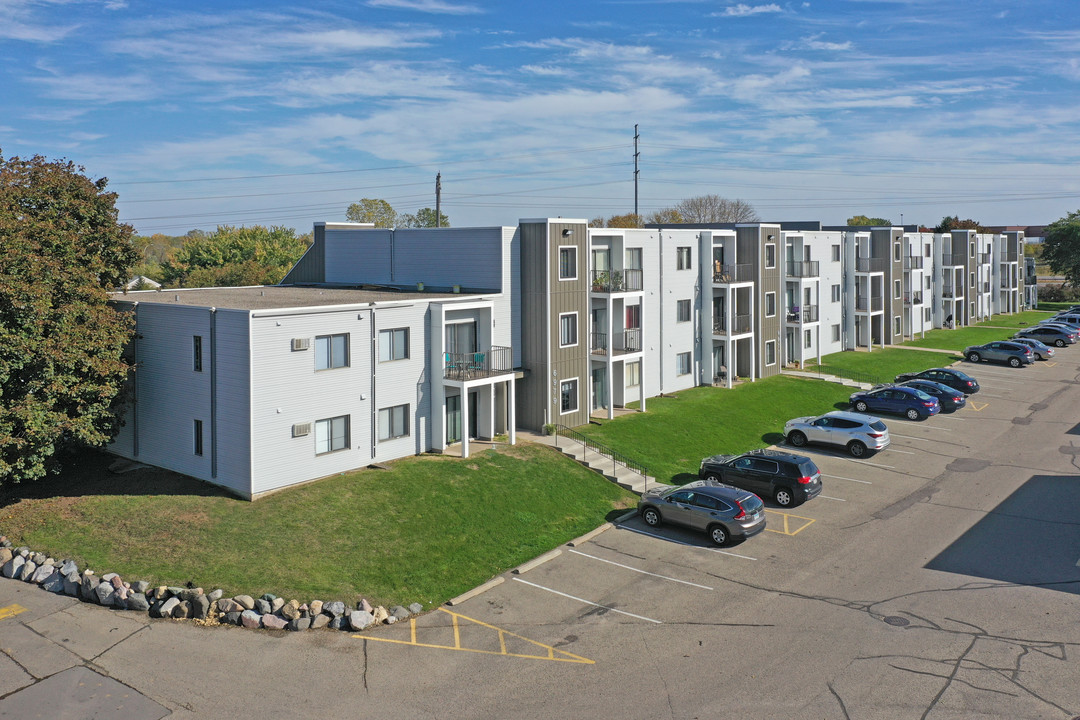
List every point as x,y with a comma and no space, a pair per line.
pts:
1041,350
722,512
857,432
1012,353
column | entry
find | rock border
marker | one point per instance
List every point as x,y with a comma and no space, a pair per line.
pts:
268,612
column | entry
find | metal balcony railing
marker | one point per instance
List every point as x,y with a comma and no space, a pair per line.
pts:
742,272
949,291
497,360
803,314
984,258
871,265
871,304
740,325
803,268
986,286
1007,284
913,262
609,281
913,298
625,341
953,259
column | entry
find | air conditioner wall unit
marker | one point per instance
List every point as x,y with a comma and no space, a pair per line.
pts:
301,343
301,429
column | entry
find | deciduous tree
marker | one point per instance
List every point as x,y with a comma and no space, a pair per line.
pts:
949,224
667,216
372,210
716,209
61,343
232,256
864,221
1061,248
424,218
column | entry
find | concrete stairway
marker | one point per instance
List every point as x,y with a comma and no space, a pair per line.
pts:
619,474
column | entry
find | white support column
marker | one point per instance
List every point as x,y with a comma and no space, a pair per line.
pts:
511,411
609,359
464,420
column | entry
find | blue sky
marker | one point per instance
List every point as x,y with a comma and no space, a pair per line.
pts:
259,113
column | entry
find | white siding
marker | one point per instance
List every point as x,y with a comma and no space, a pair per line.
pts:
401,382
232,351
676,337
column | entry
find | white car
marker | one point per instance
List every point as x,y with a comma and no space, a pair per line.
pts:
856,432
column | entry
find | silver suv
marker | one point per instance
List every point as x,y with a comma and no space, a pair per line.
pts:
721,511
857,432
1012,353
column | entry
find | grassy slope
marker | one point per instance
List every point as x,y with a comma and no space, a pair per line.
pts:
883,364
959,338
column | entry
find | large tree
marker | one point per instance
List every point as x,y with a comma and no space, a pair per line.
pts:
372,210
424,218
666,216
61,343
948,224
716,209
864,221
232,256
1061,247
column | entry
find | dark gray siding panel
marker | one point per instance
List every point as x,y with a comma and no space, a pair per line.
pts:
469,257
358,256
532,389
311,268
569,296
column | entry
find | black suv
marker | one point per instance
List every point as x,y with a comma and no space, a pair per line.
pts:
946,376
787,478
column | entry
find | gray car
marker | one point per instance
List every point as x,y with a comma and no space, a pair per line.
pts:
857,432
722,512
1040,349
1011,353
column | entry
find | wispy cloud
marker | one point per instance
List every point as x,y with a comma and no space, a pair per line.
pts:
744,10
428,6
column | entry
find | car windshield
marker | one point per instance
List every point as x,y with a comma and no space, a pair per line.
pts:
878,425
921,395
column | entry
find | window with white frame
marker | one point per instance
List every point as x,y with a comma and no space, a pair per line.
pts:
896,289
393,422
927,282
972,280
393,344
331,434
567,262
568,396
808,338
836,293
198,437
926,250
896,252
926,315
633,374
196,352
682,311
770,352
633,317
331,351
568,329
682,258
896,324
770,255
836,333
682,364
836,253
971,247
770,304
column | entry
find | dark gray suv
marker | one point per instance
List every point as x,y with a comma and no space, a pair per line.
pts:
720,511
787,478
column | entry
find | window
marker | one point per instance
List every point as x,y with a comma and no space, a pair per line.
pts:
633,317
633,258
896,252
567,329
683,311
196,351
331,434
896,325
568,263
836,253
393,344
836,333
836,293
770,304
331,351
682,364
896,289
393,422
926,315
807,339
633,374
972,279
198,437
927,282
770,352
568,400
682,257
926,249
770,255
971,247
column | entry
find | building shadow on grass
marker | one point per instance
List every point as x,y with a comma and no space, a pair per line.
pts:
87,472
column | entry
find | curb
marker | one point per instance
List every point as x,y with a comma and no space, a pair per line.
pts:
521,569
624,518
475,591
590,535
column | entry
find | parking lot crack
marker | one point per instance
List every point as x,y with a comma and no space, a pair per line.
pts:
659,672
840,700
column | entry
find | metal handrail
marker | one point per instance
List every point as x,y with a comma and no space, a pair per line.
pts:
497,360
741,272
617,458
803,268
871,264
913,262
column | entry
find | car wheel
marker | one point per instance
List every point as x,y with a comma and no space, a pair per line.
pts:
1014,362
973,357
912,414
860,406
651,516
714,479
719,535
797,438
856,448
1059,342
784,497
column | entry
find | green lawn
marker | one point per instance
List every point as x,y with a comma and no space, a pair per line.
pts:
675,433
423,531
882,364
959,338
1019,320
1055,307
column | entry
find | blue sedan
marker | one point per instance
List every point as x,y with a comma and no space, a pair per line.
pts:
950,400
910,402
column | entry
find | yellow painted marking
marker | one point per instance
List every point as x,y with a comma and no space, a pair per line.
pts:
1051,363
548,654
787,524
11,611
977,407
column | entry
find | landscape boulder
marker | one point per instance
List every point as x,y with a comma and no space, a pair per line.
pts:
246,601
359,620
274,622
250,619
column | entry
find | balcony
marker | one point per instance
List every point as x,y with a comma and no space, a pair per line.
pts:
743,272
497,360
950,291
803,314
953,259
614,281
984,258
913,262
803,268
872,304
984,286
913,298
740,323
1010,256
627,341
1006,284
871,265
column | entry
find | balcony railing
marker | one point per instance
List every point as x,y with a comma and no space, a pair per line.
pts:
985,285
953,259
913,298
1010,256
948,291
803,268
609,281
470,366
626,341
1007,284
871,304
742,272
872,264
740,324
803,314
913,262
984,258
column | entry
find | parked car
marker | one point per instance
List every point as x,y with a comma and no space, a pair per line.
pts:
1003,351
912,403
1049,334
1041,350
858,433
956,379
1069,318
787,478
720,511
1067,327
950,399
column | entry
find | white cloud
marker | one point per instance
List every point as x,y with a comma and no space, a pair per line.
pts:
814,43
428,6
744,10
545,70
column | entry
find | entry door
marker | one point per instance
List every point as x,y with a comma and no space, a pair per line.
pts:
453,419
599,384
474,404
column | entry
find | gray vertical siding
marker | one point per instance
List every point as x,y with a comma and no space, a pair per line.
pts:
358,256
569,296
311,268
533,390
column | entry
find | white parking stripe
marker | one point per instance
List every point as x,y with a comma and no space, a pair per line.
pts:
643,572
826,497
909,437
680,542
588,602
839,477
864,462
905,452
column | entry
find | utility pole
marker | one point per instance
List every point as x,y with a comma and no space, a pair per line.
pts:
636,171
438,199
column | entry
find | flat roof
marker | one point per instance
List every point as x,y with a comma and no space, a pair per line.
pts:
270,297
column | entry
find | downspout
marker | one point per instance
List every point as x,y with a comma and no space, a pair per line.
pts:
213,393
135,386
660,243
374,364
